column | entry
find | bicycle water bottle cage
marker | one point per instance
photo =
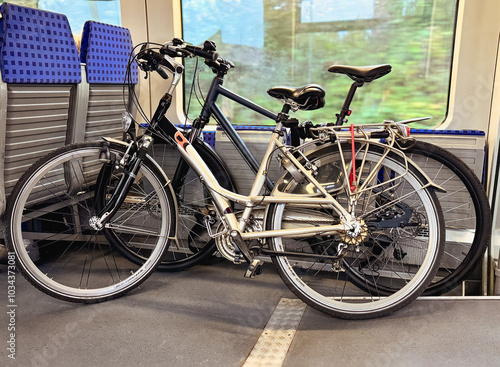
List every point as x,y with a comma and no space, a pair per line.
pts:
308,97
362,74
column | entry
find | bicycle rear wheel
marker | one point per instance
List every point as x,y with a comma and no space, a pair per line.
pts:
399,247
50,217
466,212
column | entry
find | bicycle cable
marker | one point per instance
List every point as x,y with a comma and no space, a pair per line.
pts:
190,95
133,98
200,91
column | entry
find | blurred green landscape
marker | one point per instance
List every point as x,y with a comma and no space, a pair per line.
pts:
414,36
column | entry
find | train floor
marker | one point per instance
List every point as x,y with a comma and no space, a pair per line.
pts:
213,316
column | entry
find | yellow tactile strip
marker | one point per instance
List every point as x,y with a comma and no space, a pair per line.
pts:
274,342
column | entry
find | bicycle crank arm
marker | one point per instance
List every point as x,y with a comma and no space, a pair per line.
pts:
240,247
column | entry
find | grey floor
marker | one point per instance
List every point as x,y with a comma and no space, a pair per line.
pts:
212,316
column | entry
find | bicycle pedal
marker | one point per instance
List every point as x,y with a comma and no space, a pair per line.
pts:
255,268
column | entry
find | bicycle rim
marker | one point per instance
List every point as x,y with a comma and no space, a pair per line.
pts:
50,226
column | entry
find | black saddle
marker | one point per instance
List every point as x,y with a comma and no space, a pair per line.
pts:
362,74
308,97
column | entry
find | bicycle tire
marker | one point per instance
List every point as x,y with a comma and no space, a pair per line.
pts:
52,207
472,213
404,256
466,214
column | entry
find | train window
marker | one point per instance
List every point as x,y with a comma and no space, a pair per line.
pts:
78,12
293,42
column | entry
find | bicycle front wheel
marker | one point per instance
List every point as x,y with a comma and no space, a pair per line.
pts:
398,248
51,214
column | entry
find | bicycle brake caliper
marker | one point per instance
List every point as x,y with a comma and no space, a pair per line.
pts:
105,155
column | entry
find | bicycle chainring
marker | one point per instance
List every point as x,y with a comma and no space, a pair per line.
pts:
225,243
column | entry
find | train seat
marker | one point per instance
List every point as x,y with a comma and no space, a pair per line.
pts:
104,54
39,67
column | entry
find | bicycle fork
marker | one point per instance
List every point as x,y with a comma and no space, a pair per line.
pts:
133,161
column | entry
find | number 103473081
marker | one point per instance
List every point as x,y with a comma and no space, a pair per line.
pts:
11,278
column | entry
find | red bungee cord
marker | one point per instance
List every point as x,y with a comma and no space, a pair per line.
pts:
352,176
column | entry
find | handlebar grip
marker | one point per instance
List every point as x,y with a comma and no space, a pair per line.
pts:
206,54
166,50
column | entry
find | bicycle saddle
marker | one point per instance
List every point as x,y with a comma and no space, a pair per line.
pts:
308,97
362,74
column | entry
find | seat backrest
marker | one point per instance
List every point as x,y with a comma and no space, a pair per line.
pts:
104,53
37,46
39,67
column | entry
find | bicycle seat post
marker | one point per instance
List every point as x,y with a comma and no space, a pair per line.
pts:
286,108
360,75
283,116
347,103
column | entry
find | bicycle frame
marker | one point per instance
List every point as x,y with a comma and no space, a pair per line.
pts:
221,195
210,108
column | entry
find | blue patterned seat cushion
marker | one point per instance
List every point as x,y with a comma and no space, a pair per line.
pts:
37,46
105,50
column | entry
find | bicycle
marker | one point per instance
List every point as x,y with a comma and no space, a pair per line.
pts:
468,222
112,211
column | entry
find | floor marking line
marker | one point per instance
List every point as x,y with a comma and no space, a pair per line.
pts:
273,344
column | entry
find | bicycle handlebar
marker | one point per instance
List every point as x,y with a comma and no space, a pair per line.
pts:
179,48
210,55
